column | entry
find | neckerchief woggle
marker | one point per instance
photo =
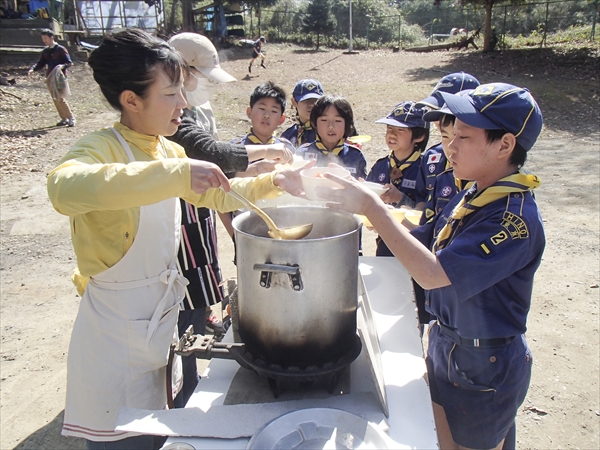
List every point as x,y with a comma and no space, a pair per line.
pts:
256,140
470,203
336,150
396,167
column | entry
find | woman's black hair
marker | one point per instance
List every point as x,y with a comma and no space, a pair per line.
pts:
343,108
127,60
518,155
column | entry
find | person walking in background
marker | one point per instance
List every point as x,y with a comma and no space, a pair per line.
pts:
258,53
56,59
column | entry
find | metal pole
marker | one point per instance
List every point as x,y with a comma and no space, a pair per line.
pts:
368,26
543,43
399,28
350,49
593,34
504,29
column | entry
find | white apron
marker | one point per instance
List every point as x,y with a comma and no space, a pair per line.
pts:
126,322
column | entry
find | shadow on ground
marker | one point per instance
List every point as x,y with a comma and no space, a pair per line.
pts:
33,132
565,82
49,438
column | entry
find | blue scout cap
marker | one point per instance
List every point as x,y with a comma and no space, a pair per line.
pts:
436,114
453,84
306,89
405,114
499,106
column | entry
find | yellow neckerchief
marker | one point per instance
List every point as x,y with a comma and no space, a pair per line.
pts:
256,140
302,127
471,202
336,150
397,168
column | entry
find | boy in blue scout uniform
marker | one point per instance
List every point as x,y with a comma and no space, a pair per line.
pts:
478,361
433,161
258,53
333,120
266,113
406,136
477,266
306,93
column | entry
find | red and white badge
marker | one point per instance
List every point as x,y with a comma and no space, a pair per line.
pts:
434,158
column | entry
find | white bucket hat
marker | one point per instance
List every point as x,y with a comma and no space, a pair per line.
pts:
201,54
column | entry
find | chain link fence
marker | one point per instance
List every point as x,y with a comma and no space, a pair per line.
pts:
418,23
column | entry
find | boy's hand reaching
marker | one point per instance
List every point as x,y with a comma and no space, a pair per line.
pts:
280,154
290,181
353,197
206,175
392,195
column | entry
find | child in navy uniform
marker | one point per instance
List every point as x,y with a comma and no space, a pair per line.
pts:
306,93
477,266
406,136
266,112
433,161
258,53
333,119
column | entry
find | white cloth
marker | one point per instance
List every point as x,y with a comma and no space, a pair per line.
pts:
126,323
51,84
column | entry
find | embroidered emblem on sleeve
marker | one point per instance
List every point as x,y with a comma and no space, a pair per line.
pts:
515,226
499,237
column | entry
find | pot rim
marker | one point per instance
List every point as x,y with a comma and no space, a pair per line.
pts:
243,216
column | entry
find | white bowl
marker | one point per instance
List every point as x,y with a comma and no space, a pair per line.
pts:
375,187
311,180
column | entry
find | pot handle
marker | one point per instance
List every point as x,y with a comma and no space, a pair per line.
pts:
290,270
266,270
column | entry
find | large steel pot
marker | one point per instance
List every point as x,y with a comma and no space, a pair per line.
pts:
297,300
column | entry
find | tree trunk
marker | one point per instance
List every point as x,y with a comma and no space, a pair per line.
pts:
318,40
487,35
187,15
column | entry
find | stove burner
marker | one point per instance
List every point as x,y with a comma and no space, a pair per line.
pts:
279,377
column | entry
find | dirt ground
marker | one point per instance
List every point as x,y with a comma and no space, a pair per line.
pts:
39,304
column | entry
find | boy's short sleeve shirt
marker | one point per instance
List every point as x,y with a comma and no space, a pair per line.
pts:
380,173
350,158
491,263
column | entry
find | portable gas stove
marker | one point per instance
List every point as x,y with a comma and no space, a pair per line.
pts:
233,403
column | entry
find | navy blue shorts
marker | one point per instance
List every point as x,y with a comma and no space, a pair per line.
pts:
480,389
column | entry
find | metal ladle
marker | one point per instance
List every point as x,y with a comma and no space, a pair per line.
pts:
287,233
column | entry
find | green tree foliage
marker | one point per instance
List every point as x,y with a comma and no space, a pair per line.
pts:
318,19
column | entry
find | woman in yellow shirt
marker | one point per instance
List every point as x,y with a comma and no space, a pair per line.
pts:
120,187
